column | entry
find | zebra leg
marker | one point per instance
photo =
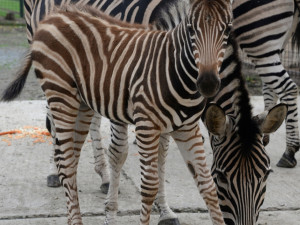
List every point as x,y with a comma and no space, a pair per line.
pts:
190,144
117,154
275,77
148,142
52,178
101,164
71,127
167,216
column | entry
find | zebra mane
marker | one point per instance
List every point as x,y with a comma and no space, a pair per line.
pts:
247,128
169,14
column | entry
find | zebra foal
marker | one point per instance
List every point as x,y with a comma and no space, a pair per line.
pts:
121,71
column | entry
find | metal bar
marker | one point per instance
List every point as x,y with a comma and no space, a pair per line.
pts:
21,8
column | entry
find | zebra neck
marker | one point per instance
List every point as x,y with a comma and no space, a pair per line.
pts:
182,54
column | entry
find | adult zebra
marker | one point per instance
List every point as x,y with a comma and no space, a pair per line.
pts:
80,60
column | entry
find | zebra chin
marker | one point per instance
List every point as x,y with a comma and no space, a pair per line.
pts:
208,83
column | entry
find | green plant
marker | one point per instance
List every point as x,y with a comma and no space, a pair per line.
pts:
9,6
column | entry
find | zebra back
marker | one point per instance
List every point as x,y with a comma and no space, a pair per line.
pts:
162,14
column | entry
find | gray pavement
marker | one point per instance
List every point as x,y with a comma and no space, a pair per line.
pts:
25,198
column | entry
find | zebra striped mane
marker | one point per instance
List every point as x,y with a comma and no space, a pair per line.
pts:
169,13
247,128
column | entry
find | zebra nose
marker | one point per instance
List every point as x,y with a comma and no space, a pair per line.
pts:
208,84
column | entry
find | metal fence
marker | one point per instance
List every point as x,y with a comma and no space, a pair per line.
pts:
290,60
9,8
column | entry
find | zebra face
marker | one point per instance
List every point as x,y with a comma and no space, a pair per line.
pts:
240,175
209,30
241,164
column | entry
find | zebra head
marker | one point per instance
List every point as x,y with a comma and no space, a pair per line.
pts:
209,25
241,165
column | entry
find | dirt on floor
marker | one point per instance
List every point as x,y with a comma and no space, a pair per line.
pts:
13,46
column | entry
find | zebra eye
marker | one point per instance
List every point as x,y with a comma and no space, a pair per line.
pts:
228,29
191,31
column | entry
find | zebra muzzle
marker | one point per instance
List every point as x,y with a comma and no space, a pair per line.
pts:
208,84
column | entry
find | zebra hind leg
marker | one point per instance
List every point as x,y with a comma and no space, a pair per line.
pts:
288,159
71,128
277,82
289,97
101,164
52,178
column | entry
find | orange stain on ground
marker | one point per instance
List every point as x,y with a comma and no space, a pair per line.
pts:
39,135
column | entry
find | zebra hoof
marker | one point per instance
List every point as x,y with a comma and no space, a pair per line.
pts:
287,161
173,221
134,142
53,181
104,188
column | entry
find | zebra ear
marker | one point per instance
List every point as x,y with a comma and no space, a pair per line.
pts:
270,121
215,119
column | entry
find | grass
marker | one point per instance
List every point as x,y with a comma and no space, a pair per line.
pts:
10,6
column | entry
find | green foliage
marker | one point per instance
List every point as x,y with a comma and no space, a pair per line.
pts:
10,6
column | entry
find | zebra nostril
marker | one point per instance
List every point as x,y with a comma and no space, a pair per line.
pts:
208,84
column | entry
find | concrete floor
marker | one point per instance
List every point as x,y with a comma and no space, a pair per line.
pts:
25,198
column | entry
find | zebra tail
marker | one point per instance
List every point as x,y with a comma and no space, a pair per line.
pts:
16,86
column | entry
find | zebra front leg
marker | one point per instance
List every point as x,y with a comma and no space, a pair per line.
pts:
101,164
167,216
71,127
148,141
190,144
117,154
